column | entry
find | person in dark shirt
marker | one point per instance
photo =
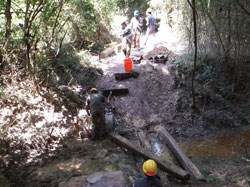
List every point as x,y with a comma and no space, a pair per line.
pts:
95,107
150,26
150,178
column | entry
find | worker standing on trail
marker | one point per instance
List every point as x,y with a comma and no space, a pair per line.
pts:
151,178
137,23
150,26
95,106
127,38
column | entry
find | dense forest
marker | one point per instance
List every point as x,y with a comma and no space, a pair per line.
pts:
46,50
222,32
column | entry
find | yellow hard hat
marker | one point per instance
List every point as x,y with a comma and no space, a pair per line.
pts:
150,167
93,90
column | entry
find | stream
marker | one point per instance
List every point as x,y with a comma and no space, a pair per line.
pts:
224,146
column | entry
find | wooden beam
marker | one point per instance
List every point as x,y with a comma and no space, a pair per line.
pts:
122,76
173,170
115,91
181,157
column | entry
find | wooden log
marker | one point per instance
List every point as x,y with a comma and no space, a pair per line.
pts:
173,170
71,94
115,91
112,45
181,157
144,142
107,52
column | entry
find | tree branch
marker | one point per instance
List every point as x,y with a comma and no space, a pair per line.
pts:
243,8
190,4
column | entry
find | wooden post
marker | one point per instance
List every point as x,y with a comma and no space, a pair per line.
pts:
184,161
165,166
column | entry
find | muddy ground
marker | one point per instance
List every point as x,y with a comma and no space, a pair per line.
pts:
160,95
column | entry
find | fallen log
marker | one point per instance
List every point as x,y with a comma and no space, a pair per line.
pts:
115,91
144,142
173,170
107,52
181,157
112,45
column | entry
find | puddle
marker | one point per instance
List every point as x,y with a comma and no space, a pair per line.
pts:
228,145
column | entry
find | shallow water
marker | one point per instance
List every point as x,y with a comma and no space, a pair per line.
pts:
228,145
162,151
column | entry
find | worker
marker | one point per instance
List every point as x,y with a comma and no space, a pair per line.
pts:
137,23
127,38
150,177
150,25
95,107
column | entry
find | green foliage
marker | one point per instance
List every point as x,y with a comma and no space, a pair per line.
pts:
72,64
130,6
84,20
90,21
205,74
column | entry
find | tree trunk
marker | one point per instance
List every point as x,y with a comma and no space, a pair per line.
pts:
7,35
195,54
193,7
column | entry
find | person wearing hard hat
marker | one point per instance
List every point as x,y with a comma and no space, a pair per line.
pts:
136,24
150,25
151,178
127,38
95,107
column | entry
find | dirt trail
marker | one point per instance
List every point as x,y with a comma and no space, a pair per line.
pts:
151,97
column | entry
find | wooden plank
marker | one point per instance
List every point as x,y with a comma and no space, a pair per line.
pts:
126,75
181,157
173,170
115,91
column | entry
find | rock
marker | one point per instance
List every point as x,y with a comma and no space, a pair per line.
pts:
98,179
109,179
109,120
93,178
102,154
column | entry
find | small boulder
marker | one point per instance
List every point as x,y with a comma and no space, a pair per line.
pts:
98,179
